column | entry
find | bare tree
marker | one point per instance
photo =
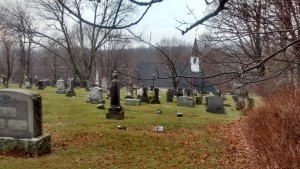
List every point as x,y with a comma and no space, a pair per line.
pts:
7,53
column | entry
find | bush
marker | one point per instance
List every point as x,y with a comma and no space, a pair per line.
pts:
273,129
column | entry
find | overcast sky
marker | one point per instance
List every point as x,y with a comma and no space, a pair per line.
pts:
160,21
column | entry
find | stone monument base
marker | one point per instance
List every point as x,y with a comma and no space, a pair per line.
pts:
133,102
154,101
116,113
70,94
33,146
215,110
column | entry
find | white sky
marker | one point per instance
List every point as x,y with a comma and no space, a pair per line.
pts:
160,21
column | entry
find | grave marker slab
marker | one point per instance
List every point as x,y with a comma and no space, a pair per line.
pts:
60,84
185,101
95,95
215,104
21,122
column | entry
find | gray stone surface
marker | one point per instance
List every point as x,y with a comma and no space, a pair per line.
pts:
133,102
185,101
215,104
34,146
70,90
104,84
60,87
95,95
129,90
21,122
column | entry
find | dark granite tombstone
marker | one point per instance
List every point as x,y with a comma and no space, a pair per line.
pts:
215,104
129,91
155,98
179,92
170,95
40,85
21,126
115,110
70,90
199,100
145,97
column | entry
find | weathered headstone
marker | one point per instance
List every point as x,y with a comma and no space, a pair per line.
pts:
95,96
170,95
215,104
199,100
189,92
21,127
179,92
145,98
40,85
115,110
241,103
139,92
60,87
70,90
155,98
185,101
104,84
133,102
129,90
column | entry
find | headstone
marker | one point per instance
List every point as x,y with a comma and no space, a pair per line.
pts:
5,81
139,92
145,97
95,95
115,110
158,111
155,98
40,85
159,128
170,95
104,84
215,104
250,103
129,91
28,84
185,101
60,87
241,103
179,114
100,106
179,92
235,98
189,92
199,100
121,127
21,127
133,102
70,90
108,92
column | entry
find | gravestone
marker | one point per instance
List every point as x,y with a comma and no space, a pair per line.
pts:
215,104
250,103
155,98
40,84
185,101
115,110
28,84
145,98
189,92
199,100
21,127
129,91
60,87
179,92
241,103
108,92
95,96
70,90
133,102
139,91
104,84
170,95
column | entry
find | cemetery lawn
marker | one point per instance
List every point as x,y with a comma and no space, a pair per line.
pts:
82,137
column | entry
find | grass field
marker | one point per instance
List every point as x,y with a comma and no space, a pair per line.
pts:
83,138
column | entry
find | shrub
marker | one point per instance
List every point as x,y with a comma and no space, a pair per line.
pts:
273,129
